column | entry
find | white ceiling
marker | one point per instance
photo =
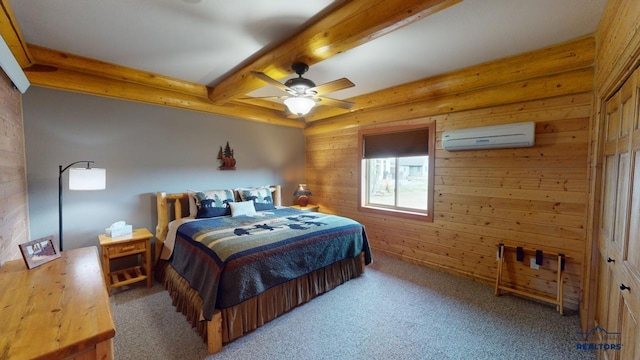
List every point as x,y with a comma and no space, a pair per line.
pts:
203,40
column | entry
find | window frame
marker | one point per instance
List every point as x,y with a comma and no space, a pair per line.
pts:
362,182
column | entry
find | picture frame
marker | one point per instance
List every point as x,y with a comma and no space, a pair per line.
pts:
39,251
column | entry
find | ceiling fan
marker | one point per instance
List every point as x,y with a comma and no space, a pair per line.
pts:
304,94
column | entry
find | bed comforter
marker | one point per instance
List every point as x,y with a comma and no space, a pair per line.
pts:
231,259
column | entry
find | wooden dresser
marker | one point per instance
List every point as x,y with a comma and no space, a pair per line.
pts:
59,310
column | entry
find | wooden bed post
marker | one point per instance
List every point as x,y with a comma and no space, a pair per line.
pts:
163,221
277,195
162,201
214,333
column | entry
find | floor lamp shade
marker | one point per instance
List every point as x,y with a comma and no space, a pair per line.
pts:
87,179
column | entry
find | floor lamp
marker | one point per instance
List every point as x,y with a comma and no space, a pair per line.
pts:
86,178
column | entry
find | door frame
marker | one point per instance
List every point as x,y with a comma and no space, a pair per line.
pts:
597,140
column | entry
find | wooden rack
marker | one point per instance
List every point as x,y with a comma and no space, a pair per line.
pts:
558,299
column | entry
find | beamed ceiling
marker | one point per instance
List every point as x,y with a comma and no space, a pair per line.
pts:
199,54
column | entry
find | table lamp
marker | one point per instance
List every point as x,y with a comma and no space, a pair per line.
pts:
302,192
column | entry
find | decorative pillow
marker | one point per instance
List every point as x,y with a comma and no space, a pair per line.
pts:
261,197
213,203
208,209
193,208
245,208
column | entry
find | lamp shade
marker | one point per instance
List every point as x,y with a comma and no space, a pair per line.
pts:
87,179
302,190
299,105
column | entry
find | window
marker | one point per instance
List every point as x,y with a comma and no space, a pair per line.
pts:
396,175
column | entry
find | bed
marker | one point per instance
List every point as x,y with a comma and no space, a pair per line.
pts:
240,259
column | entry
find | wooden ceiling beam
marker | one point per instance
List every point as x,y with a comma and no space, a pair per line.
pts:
63,60
263,103
570,55
93,84
543,87
13,36
65,71
345,27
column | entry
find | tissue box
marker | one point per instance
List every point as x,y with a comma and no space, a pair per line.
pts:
120,230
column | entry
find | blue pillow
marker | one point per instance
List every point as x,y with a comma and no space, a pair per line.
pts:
208,209
261,197
262,207
213,203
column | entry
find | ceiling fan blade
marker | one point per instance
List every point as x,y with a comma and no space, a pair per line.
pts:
265,98
271,81
333,102
264,103
332,86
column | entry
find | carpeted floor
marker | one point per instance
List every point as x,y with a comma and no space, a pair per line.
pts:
396,310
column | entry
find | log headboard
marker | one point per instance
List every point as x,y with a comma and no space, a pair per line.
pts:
166,201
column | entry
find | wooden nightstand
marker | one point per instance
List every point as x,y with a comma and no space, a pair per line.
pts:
138,242
309,207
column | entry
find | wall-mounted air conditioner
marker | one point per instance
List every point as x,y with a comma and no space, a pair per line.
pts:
11,67
490,137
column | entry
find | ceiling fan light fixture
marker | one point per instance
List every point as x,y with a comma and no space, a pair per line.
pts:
304,93
299,105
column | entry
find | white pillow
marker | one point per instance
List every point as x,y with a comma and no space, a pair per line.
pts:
242,208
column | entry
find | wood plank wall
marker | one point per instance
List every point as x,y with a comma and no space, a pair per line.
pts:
14,228
536,197
617,55
618,39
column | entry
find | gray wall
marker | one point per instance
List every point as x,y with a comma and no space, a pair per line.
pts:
145,149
